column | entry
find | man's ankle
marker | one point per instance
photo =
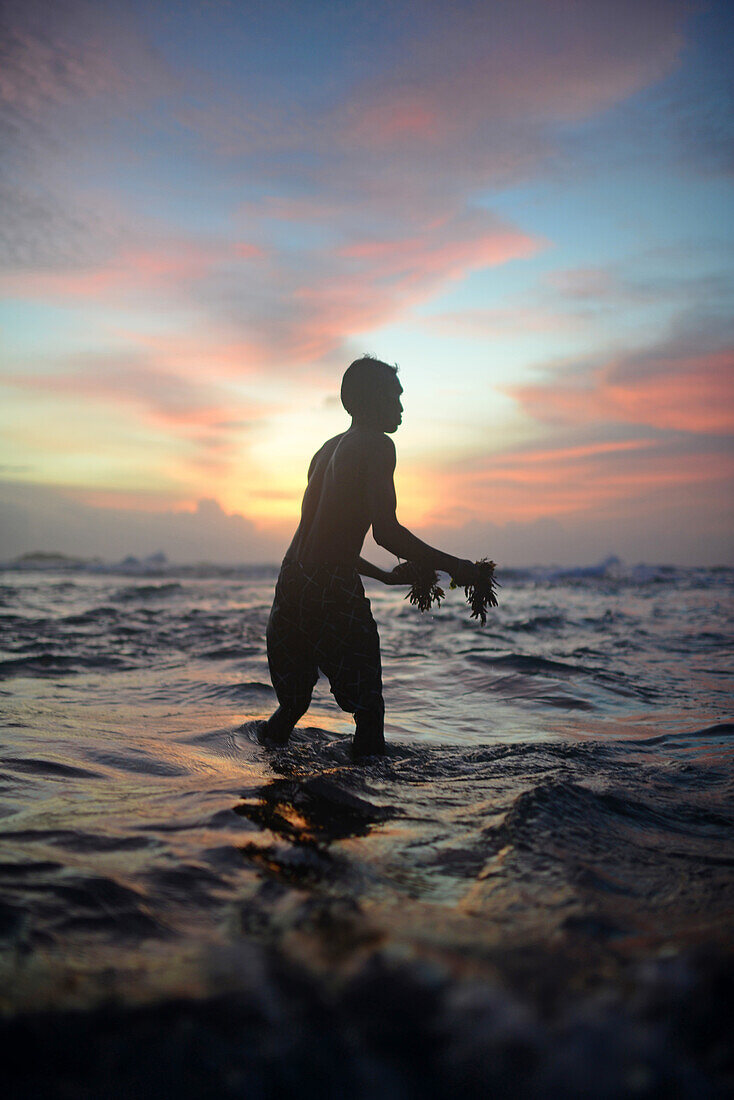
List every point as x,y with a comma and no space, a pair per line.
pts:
363,747
278,727
369,738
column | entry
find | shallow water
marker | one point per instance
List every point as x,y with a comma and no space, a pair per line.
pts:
556,799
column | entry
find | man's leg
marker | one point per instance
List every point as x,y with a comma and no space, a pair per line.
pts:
279,726
369,731
348,652
293,671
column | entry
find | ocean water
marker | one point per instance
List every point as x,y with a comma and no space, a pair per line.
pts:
535,886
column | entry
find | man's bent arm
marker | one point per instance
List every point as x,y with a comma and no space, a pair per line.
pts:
367,569
391,534
404,544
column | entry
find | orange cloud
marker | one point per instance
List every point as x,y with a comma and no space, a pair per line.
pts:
197,354
592,479
696,396
451,251
211,420
691,393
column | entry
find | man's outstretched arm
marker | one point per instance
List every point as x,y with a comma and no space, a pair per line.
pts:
391,534
367,569
398,575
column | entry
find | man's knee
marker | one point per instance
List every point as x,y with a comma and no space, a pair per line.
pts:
294,688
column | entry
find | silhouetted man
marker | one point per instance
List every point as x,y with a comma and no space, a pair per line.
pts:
321,618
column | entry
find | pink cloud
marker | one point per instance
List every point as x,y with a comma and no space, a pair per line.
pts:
42,71
70,70
210,351
686,393
465,96
449,250
596,479
169,398
474,86
246,251
469,103
474,69
132,271
376,281
406,116
270,309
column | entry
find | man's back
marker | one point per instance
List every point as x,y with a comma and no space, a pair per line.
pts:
336,510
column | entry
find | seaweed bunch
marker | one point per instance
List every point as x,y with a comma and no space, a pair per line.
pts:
482,594
425,589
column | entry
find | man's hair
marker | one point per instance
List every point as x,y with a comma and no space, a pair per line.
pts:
363,382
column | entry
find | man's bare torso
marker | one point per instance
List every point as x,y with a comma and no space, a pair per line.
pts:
336,510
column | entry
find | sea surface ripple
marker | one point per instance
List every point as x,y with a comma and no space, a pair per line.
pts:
556,807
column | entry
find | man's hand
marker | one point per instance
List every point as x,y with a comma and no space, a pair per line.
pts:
405,573
367,569
465,572
462,571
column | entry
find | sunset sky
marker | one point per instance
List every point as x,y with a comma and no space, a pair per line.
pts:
210,208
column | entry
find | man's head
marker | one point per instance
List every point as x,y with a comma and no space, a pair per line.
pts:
371,394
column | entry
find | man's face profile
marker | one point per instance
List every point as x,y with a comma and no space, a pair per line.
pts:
389,411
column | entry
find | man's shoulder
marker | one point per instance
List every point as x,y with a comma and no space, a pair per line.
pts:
373,451
365,448
376,444
328,447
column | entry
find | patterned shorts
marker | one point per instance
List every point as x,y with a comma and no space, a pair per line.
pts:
321,619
